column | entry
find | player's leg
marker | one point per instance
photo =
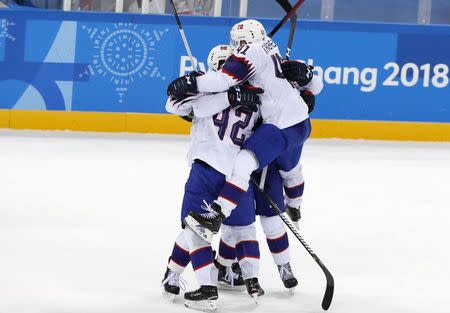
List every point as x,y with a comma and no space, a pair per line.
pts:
241,225
202,187
178,261
273,226
180,258
247,252
291,169
230,274
267,143
205,297
294,184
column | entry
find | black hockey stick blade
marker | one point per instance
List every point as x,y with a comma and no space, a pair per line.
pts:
287,7
291,36
175,13
285,18
329,291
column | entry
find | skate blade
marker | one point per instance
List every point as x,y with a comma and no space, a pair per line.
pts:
204,305
255,298
228,287
291,291
169,296
204,233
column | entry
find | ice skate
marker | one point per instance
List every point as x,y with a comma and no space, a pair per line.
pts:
206,225
230,277
203,299
288,278
254,289
172,283
294,215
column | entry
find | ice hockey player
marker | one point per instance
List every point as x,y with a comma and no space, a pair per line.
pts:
215,142
286,124
273,227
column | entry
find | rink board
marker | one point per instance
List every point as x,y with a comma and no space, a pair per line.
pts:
168,124
88,71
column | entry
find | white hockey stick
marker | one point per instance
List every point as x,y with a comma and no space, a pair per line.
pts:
262,182
183,36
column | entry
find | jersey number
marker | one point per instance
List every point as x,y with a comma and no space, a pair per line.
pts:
242,49
221,121
276,59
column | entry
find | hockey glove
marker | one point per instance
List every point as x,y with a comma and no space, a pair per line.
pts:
297,71
309,98
182,86
245,96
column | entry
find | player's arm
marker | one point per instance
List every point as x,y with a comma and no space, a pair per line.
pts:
182,107
237,69
210,104
236,96
315,86
308,84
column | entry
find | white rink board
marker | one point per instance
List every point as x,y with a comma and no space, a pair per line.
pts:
87,222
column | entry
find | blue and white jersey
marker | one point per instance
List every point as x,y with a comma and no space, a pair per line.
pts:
260,65
217,131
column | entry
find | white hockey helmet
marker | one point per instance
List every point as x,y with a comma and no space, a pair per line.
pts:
245,32
217,56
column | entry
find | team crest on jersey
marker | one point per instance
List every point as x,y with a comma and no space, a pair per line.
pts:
124,54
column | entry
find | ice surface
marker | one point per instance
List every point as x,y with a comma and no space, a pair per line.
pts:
87,222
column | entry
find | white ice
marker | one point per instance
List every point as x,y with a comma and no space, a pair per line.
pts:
87,222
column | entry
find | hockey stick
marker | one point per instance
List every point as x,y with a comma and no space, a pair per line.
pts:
293,21
287,7
285,18
328,296
183,36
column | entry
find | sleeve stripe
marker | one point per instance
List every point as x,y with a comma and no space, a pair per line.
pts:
238,68
179,103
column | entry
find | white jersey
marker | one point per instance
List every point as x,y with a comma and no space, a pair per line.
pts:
260,64
217,131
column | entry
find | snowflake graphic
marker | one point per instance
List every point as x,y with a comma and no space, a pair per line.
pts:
4,28
124,54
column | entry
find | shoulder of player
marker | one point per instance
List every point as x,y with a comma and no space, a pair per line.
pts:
249,54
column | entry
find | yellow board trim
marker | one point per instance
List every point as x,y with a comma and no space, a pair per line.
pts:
170,124
380,130
4,118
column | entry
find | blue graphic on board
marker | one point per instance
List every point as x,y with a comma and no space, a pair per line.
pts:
5,24
37,73
52,60
118,55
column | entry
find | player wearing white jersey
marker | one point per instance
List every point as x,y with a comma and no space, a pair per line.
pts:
289,201
286,124
215,142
